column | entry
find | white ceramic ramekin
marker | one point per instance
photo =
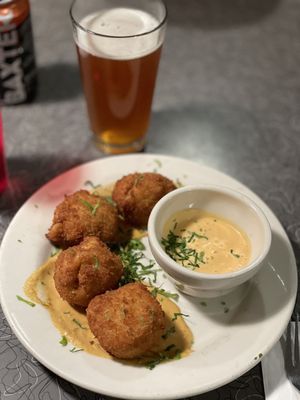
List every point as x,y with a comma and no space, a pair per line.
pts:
227,203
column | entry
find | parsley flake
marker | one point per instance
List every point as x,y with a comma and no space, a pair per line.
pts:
74,350
177,248
78,323
110,201
30,303
96,263
155,291
88,205
54,251
138,179
165,356
134,269
90,183
179,314
63,341
169,332
178,183
158,163
234,254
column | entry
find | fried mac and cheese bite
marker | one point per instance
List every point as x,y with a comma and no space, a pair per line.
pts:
84,214
127,322
86,270
136,194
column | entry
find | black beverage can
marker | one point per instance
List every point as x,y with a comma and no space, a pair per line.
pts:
18,75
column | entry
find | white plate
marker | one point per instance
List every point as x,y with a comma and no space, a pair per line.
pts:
226,344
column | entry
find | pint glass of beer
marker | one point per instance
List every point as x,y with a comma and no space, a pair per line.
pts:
118,45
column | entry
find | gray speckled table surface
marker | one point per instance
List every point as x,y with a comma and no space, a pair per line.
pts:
228,95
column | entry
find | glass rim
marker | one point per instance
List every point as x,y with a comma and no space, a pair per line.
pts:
77,24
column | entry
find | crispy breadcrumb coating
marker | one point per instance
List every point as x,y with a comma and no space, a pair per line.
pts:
84,214
86,270
127,322
136,194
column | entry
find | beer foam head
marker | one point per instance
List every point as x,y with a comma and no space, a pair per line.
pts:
119,33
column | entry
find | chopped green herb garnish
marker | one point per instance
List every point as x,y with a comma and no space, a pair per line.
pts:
90,183
134,270
30,303
155,291
179,314
223,303
177,248
234,254
169,332
78,323
67,312
158,162
203,303
20,241
96,263
178,183
170,347
63,341
54,251
226,310
74,350
88,205
152,364
121,217
164,357
95,208
196,235
138,179
110,201
136,244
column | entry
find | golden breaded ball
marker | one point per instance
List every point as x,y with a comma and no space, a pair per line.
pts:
86,270
136,194
127,322
84,214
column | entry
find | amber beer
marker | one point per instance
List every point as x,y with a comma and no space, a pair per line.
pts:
119,97
118,70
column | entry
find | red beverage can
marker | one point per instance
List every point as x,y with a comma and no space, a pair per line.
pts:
18,76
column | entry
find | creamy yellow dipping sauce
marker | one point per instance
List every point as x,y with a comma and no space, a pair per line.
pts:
205,242
73,324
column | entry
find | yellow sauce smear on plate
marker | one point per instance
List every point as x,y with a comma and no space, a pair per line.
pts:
205,242
73,324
